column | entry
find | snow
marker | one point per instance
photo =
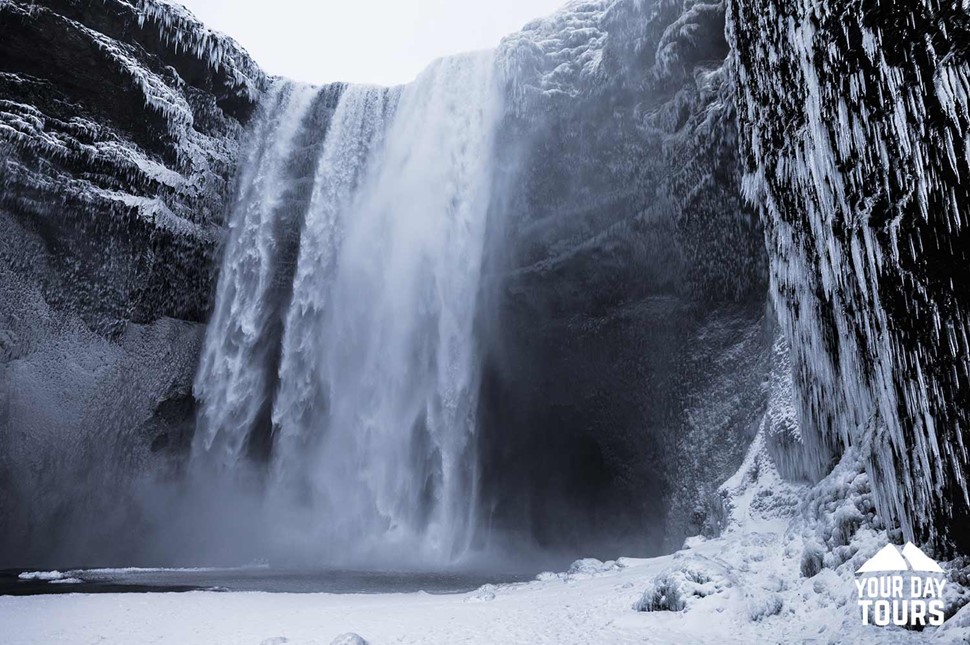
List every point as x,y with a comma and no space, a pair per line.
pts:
41,575
743,588
344,639
747,586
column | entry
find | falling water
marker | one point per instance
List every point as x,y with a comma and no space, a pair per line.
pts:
234,373
374,402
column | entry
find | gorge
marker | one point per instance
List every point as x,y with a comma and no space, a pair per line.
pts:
539,303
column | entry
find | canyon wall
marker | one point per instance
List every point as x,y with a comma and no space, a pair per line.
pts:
627,335
647,153
119,128
855,132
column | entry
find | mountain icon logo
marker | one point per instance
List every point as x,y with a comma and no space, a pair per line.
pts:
889,558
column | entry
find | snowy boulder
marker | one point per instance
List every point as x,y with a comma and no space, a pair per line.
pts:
349,638
588,567
485,593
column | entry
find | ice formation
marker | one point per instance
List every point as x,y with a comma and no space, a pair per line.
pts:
180,30
855,127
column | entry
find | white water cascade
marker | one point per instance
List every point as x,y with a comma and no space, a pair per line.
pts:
374,390
233,374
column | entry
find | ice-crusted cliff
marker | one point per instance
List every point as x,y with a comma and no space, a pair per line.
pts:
119,122
629,336
119,125
856,136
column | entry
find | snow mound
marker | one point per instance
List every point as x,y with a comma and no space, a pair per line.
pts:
592,567
349,638
485,593
42,575
585,569
675,589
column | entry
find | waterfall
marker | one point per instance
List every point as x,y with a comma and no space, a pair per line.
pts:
356,134
374,392
234,374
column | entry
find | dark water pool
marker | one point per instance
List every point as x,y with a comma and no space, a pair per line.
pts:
18,582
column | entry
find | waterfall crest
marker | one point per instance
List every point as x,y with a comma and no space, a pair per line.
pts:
374,391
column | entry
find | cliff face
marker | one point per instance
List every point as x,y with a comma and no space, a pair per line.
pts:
856,136
629,337
119,124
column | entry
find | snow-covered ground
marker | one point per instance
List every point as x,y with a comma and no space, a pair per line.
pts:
751,578
748,586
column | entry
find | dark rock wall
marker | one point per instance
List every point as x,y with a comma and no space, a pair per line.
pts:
625,326
119,128
117,149
856,136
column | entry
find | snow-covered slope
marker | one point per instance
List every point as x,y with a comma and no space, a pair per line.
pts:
855,121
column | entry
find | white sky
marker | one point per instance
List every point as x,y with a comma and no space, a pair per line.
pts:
384,42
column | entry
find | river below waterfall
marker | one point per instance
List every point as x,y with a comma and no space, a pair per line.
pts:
15,582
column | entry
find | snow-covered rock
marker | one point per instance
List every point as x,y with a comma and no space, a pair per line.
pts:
592,567
485,593
119,129
349,638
